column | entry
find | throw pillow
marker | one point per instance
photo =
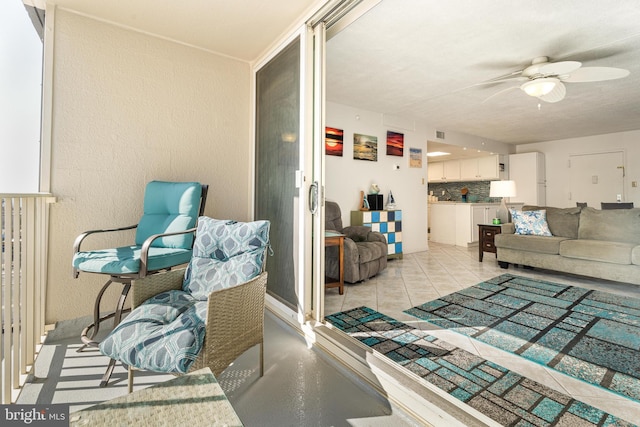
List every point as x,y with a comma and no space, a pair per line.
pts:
531,222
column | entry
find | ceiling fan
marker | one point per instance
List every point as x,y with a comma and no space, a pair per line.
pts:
545,80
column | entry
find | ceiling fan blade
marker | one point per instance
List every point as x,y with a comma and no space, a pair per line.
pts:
500,92
556,95
559,68
595,74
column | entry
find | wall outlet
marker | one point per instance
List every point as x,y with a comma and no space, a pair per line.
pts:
618,197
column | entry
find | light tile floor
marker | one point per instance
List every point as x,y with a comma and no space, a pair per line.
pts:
443,269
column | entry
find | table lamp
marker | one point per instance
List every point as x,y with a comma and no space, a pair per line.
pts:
503,189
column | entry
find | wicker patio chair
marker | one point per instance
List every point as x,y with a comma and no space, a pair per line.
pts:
203,316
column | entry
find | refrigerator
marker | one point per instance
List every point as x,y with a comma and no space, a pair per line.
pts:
528,172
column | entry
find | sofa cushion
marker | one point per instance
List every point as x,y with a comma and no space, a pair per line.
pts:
173,326
369,251
562,222
619,225
539,244
531,222
597,250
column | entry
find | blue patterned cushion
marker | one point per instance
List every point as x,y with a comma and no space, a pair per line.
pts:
225,253
164,334
531,222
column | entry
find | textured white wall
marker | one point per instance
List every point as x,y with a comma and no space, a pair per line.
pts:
346,177
129,108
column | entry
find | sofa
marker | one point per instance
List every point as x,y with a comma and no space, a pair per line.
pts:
590,242
365,251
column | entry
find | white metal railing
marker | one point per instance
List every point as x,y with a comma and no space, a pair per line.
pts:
24,227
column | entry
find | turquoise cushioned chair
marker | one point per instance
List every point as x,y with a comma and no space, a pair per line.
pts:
163,239
204,316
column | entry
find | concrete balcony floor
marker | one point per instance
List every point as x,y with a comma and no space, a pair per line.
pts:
300,387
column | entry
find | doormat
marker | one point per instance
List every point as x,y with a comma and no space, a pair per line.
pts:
502,395
590,335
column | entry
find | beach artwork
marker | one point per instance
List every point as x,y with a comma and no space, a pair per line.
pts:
395,144
365,147
415,157
333,141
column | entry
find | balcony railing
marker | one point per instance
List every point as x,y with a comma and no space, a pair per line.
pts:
24,227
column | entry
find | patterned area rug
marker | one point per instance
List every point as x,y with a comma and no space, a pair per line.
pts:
587,334
504,396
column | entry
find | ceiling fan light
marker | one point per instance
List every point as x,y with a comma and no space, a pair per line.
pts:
539,87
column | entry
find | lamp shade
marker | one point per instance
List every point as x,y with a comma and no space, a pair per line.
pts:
502,189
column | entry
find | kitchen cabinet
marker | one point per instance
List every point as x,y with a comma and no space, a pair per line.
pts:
457,223
443,224
468,216
528,172
480,168
443,171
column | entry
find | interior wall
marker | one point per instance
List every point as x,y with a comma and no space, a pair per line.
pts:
129,108
345,177
557,167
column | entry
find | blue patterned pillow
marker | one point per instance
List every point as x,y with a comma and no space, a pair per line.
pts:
225,253
531,222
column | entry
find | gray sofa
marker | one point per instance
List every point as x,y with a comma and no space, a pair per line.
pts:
586,241
365,251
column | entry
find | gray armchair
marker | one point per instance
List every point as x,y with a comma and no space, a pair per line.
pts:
365,251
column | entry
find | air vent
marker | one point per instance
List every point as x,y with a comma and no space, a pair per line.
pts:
439,134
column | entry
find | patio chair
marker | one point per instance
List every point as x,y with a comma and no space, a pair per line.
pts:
163,240
203,316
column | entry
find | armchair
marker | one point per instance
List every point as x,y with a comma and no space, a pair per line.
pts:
365,251
163,239
203,316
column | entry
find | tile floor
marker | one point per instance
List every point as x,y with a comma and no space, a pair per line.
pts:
443,269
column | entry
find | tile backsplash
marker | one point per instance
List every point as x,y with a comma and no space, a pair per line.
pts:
479,189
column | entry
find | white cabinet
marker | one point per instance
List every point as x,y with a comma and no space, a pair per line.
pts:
443,224
468,216
444,171
457,223
480,169
528,171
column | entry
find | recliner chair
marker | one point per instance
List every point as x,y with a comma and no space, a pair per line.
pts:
365,251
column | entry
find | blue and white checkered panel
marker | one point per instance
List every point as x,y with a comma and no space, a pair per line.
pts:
164,334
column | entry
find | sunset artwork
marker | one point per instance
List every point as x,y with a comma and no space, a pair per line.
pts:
415,157
365,147
333,141
395,144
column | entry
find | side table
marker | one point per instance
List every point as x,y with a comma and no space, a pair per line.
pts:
331,238
487,233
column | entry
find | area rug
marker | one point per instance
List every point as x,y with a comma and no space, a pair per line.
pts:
502,395
590,335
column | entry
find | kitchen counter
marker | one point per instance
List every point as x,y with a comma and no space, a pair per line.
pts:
456,223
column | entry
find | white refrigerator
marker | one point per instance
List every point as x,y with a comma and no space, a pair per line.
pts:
528,171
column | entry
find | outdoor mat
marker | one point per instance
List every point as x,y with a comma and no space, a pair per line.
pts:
502,395
587,334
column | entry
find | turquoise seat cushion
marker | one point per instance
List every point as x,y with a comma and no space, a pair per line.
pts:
169,207
164,334
126,259
225,253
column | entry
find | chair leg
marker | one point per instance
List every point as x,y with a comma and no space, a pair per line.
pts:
130,379
107,374
261,359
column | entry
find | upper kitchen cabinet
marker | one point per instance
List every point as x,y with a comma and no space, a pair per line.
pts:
444,171
480,168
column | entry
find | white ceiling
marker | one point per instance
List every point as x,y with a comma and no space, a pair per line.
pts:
421,58
242,29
